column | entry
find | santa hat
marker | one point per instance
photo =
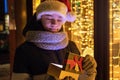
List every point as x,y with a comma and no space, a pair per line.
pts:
60,7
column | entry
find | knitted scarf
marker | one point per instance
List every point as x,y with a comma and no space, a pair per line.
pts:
47,40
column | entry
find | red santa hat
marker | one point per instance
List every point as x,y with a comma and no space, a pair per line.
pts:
61,7
70,14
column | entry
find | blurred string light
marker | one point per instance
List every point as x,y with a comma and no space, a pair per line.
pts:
6,28
114,39
35,5
82,30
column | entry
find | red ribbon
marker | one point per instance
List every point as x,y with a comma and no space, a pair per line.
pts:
74,61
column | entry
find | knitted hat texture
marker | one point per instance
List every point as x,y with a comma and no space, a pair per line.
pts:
57,7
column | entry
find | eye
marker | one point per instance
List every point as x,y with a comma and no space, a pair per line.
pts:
48,18
59,20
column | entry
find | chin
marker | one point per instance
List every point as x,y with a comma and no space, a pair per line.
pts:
54,31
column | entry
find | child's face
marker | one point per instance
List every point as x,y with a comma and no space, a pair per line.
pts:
52,23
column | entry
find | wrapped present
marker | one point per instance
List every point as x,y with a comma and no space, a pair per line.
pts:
59,74
73,63
72,67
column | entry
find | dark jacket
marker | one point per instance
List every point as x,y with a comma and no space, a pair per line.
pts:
33,60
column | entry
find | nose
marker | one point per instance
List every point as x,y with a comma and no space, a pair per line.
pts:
54,22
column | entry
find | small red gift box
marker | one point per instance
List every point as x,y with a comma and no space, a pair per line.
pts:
73,63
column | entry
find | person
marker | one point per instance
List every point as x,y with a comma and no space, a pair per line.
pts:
46,43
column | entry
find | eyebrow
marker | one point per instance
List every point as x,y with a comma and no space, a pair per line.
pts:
47,15
51,15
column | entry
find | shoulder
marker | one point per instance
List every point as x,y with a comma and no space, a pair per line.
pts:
72,47
26,46
71,42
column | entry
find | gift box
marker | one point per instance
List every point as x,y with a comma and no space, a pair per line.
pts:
59,74
72,67
73,63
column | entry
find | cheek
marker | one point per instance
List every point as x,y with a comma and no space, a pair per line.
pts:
45,24
60,26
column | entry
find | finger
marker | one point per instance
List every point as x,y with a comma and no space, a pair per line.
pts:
88,66
86,58
91,65
85,65
89,61
70,78
86,61
66,78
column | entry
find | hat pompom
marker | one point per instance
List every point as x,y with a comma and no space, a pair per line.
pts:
71,16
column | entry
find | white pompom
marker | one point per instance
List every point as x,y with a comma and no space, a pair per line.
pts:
71,17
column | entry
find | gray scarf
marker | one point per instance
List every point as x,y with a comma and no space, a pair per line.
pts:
48,40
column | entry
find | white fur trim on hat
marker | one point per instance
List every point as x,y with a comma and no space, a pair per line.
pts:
71,16
50,7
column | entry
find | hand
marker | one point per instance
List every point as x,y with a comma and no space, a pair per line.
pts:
89,64
89,68
68,78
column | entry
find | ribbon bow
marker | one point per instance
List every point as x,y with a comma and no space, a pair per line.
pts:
74,62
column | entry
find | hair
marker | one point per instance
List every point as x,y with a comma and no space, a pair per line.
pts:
33,25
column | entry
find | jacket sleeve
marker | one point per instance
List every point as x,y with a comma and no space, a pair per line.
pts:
26,76
43,77
20,76
20,61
